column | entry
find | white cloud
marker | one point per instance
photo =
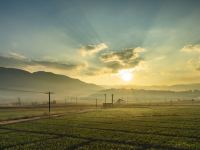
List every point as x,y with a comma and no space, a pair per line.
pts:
139,50
90,50
191,48
194,63
17,56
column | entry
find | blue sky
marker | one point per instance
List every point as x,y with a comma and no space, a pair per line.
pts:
56,31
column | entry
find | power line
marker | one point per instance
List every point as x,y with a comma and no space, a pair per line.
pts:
28,91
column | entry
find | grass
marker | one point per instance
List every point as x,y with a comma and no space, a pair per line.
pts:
152,127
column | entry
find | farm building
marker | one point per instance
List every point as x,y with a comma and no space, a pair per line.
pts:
120,101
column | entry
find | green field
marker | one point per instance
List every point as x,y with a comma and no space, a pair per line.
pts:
142,127
9,113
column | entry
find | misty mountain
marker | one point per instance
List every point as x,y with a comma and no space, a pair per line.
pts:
44,81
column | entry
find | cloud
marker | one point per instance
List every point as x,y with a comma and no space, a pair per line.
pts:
16,55
93,71
194,63
125,59
191,48
23,62
90,50
53,64
108,62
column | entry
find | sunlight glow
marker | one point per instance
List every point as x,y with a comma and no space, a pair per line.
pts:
126,75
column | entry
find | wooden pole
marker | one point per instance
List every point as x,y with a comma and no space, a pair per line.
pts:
105,97
49,95
112,98
96,102
49,104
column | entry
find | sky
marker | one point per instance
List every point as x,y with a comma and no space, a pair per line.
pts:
106,42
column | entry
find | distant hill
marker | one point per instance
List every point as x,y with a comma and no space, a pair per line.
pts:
140,95
44,81
176,87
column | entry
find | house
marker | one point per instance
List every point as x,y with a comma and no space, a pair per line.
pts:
120,101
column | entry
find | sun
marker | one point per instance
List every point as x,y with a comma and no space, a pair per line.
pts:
126,75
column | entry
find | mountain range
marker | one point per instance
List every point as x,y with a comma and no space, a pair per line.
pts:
16,79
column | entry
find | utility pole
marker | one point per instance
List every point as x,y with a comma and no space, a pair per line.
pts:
49,104
96,102
112,98
105,97
49,94
19,101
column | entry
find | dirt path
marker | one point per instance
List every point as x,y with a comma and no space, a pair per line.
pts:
6,122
